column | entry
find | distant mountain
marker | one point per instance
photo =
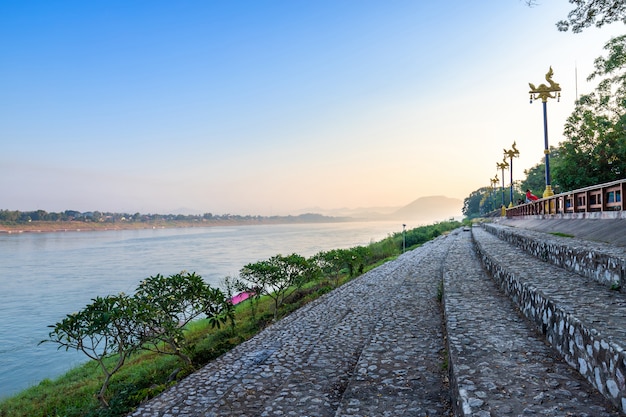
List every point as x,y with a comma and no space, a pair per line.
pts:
186,211
424,209
359,212
430,208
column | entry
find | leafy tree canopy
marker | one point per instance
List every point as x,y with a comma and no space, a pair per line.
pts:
536,176
594,151
587,13
278,276
472,203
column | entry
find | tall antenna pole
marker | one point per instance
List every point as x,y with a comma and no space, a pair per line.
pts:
576,76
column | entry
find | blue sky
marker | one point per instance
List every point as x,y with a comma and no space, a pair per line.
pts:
273,107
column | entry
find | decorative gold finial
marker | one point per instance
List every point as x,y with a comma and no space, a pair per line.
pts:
544,92
512,153
494,182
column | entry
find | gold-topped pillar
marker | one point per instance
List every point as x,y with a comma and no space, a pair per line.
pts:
544,92
502,166
494,183
511,153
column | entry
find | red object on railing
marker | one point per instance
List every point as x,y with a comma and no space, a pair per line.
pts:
598,198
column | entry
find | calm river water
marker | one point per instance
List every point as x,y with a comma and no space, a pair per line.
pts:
44,276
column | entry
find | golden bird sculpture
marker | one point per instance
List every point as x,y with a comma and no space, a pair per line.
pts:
544,91
512,153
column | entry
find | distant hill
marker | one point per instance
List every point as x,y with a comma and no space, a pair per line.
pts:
359,212
428,208
424,209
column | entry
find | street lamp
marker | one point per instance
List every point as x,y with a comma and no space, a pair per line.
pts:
494,183
511,153
544,92
403,238
502,165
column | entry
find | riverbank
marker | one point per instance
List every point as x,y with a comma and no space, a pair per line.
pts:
81,226
54,275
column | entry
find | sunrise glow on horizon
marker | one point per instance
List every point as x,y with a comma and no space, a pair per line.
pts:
259,107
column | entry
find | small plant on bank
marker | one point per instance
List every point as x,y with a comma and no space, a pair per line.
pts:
561,234
440,291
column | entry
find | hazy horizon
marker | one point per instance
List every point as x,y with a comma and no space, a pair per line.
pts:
257,107
349,212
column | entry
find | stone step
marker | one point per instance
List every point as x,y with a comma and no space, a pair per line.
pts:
580,318
499,365
608,227
602,262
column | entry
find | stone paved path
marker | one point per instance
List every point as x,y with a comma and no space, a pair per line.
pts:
372,347
501,367
588,300
377,347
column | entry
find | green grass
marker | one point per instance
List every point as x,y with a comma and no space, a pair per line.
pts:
561,234
146,374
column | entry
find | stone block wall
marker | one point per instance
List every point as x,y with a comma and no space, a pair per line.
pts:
600,361
596,261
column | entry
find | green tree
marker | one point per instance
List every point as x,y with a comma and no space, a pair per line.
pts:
39,215
167,304
357,258
9,216
474,204
536,176
594,151
591,13
278,276
104,328
331,263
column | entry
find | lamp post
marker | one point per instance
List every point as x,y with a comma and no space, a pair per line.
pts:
544,92
494,183
403,238
511,153
502,165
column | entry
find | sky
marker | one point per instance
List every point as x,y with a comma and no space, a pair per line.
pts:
275,107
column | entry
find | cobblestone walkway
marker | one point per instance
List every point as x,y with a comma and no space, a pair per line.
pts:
501,366
372,347
589,301
377,347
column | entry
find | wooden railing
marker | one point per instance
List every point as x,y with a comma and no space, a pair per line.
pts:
598,198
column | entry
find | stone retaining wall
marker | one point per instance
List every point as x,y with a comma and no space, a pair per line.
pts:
618,214
601,362
589,260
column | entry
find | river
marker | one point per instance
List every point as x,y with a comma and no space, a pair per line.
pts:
44,276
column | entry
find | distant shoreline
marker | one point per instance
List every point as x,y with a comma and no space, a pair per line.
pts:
79,226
